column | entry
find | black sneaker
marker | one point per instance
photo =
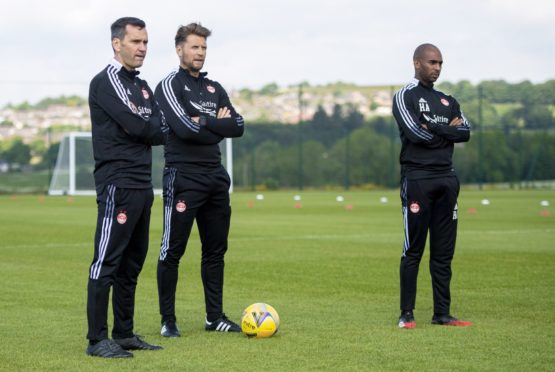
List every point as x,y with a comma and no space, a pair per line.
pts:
222,324
406,320
169,329
135,343
108,349
449,320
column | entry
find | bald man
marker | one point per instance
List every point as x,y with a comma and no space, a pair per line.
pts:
429,122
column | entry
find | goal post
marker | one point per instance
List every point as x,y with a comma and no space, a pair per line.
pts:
74,170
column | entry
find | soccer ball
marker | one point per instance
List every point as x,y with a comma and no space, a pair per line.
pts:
260,320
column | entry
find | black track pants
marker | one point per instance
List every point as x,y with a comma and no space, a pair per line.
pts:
204,197
429,205
120,248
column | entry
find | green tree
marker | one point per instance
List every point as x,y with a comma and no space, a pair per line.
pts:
246,94
369,152
530,116
353,120
546,92
269,89
49,157
16,153
498,158
38,148
490,117
267,162
314,158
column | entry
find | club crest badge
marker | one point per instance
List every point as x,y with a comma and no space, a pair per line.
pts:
211,89
122,217
180,206
414,207
145,93
444,102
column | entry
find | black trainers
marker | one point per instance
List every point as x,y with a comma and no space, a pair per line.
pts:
406,320
222,324
169,329
449,320
107,349
135,343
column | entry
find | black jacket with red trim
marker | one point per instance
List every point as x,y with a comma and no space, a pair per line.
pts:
126,122
193,147
427,153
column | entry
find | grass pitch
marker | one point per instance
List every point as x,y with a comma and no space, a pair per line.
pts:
329,268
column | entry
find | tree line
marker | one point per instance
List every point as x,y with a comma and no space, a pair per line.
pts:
513,140
331,153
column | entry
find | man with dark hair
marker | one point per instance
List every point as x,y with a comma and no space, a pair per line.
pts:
126,122
196,185
430,122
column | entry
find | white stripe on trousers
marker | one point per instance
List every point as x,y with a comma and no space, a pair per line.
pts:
168,209
106,231
405,216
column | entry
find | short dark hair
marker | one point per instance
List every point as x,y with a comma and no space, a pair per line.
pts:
191,29
118,27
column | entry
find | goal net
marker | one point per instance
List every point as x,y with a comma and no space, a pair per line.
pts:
73,173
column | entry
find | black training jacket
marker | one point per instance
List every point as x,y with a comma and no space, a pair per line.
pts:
427,153
126,122
193,147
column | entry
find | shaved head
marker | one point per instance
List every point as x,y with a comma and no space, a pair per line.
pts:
422,49
427,62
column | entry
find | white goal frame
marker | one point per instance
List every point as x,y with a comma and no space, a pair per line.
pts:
70,188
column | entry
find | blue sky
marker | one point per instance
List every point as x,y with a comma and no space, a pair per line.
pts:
55,47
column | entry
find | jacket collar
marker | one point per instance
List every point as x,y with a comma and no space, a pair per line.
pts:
114,62
186,72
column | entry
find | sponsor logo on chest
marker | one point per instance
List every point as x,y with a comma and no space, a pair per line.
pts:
145,110
208,104
436,119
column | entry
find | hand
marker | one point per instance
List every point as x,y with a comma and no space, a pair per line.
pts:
424,126
456,121
195,119
223,112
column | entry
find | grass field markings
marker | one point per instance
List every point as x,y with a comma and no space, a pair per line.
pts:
371,235
505,232
49,245
289,237
311,237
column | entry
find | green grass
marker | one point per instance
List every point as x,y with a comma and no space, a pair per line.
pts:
24,182
331,273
